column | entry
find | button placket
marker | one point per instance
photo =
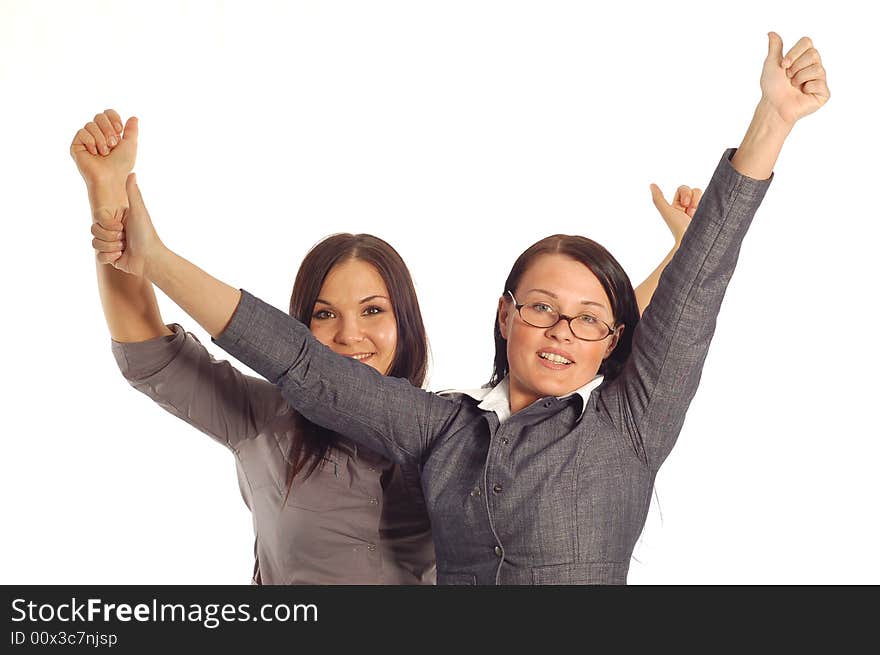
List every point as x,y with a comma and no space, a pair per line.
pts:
492,468
373,490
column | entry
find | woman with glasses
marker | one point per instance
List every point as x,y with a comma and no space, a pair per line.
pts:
546,476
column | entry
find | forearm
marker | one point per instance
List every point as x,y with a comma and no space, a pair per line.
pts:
645,291
206,299
761,144
129,301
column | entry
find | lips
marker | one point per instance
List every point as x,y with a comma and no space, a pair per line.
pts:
555,359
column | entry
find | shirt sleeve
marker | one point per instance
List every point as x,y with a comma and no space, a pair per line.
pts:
650,397
182,377
387,415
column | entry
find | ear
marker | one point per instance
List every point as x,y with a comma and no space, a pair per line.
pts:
504,307
613,343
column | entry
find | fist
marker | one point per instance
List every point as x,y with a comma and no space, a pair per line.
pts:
794,85
104,150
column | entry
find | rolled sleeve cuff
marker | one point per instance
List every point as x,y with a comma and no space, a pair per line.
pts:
141,359
263,337
746,187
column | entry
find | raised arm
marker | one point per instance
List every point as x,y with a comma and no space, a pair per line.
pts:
169,366
650,397
677,217
105,153
385,414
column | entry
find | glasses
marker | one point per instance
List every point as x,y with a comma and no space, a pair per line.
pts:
582,326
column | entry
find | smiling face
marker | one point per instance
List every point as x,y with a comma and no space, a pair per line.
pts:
552,361
353,315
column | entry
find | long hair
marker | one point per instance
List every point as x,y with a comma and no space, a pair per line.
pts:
613,279
311,442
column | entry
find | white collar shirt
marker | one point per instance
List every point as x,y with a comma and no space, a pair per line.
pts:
497,399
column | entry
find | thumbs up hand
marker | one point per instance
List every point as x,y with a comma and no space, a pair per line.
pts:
677,215
794,85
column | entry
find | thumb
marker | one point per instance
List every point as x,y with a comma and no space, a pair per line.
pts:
131,129
774,47
135,200
657,196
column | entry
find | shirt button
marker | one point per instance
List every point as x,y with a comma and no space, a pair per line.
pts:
374,501
476,492
371,547
371,468
497,488
505,440
549,403
498,551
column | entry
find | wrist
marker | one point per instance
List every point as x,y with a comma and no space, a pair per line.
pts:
155,260
107,192
762,143
769,122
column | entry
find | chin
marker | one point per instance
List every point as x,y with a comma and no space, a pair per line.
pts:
554,387
559,385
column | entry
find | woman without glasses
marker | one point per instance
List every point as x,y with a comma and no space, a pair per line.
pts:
325,510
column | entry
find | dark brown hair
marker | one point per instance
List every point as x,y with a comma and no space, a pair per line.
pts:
311,442
613,279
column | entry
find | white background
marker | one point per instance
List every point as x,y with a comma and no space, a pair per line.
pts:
461,132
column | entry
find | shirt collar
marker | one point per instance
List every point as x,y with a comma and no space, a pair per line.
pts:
497,399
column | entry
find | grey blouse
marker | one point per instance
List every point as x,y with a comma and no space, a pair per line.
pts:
358,519
558,492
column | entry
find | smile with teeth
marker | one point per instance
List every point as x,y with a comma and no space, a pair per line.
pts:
361,356
553,357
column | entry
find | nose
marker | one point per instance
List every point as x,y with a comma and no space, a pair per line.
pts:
349,331
561,332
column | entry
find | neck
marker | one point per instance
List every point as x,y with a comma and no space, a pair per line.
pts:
520,398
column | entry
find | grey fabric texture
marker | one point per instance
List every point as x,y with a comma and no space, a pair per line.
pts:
548,496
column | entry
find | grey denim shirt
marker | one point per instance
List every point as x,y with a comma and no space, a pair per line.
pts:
549,495
358,519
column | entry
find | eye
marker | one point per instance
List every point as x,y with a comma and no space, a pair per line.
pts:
586,319
543,308
373,310
323,314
